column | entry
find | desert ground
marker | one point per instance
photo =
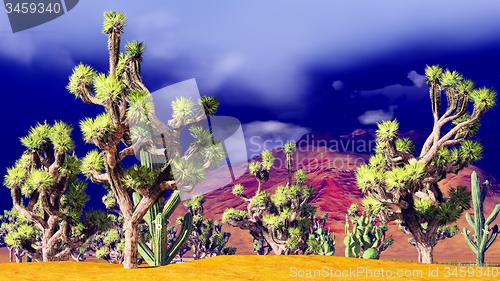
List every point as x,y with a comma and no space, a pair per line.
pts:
250,268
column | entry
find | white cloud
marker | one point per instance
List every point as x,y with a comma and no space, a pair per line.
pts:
396,92
374,116
223,69
261,135
338,85
157,29
417,79
26,48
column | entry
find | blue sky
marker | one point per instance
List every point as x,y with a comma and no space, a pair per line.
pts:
320,66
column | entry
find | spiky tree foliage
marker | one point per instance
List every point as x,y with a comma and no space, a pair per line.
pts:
18,234
281,221
45,190
406,184
484,233
207,238
129,125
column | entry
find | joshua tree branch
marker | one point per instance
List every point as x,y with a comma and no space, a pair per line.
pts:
148,200
17,202
85,92
59,233
114,38
177,124
47,205
58,160
431,153
130,150
98,178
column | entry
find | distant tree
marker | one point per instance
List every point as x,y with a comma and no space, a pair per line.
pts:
127,126
406,184
282,221
207,238
17,234
108,245
45,178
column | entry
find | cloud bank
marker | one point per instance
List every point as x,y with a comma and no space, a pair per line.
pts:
262,135
225,43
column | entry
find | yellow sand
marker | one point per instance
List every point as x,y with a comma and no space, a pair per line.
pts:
249,268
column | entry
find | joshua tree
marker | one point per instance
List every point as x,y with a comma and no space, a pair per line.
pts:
484,234
46,178
406,185
17,234
128,125
281,221
108,245
207,238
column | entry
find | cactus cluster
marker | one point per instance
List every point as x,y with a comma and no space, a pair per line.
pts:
321,240
484,233
207,238
367,238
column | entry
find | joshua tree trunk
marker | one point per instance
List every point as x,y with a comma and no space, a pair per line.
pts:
19,258
46,254
49,238
424,253
113,48
480,260
131,239
278,248
289,169
424,240
11,254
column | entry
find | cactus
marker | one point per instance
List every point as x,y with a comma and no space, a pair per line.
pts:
484,234
367,238
158,252
324,242
321,239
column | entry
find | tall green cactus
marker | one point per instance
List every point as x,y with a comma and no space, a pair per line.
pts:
159,252
484,234
366,239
